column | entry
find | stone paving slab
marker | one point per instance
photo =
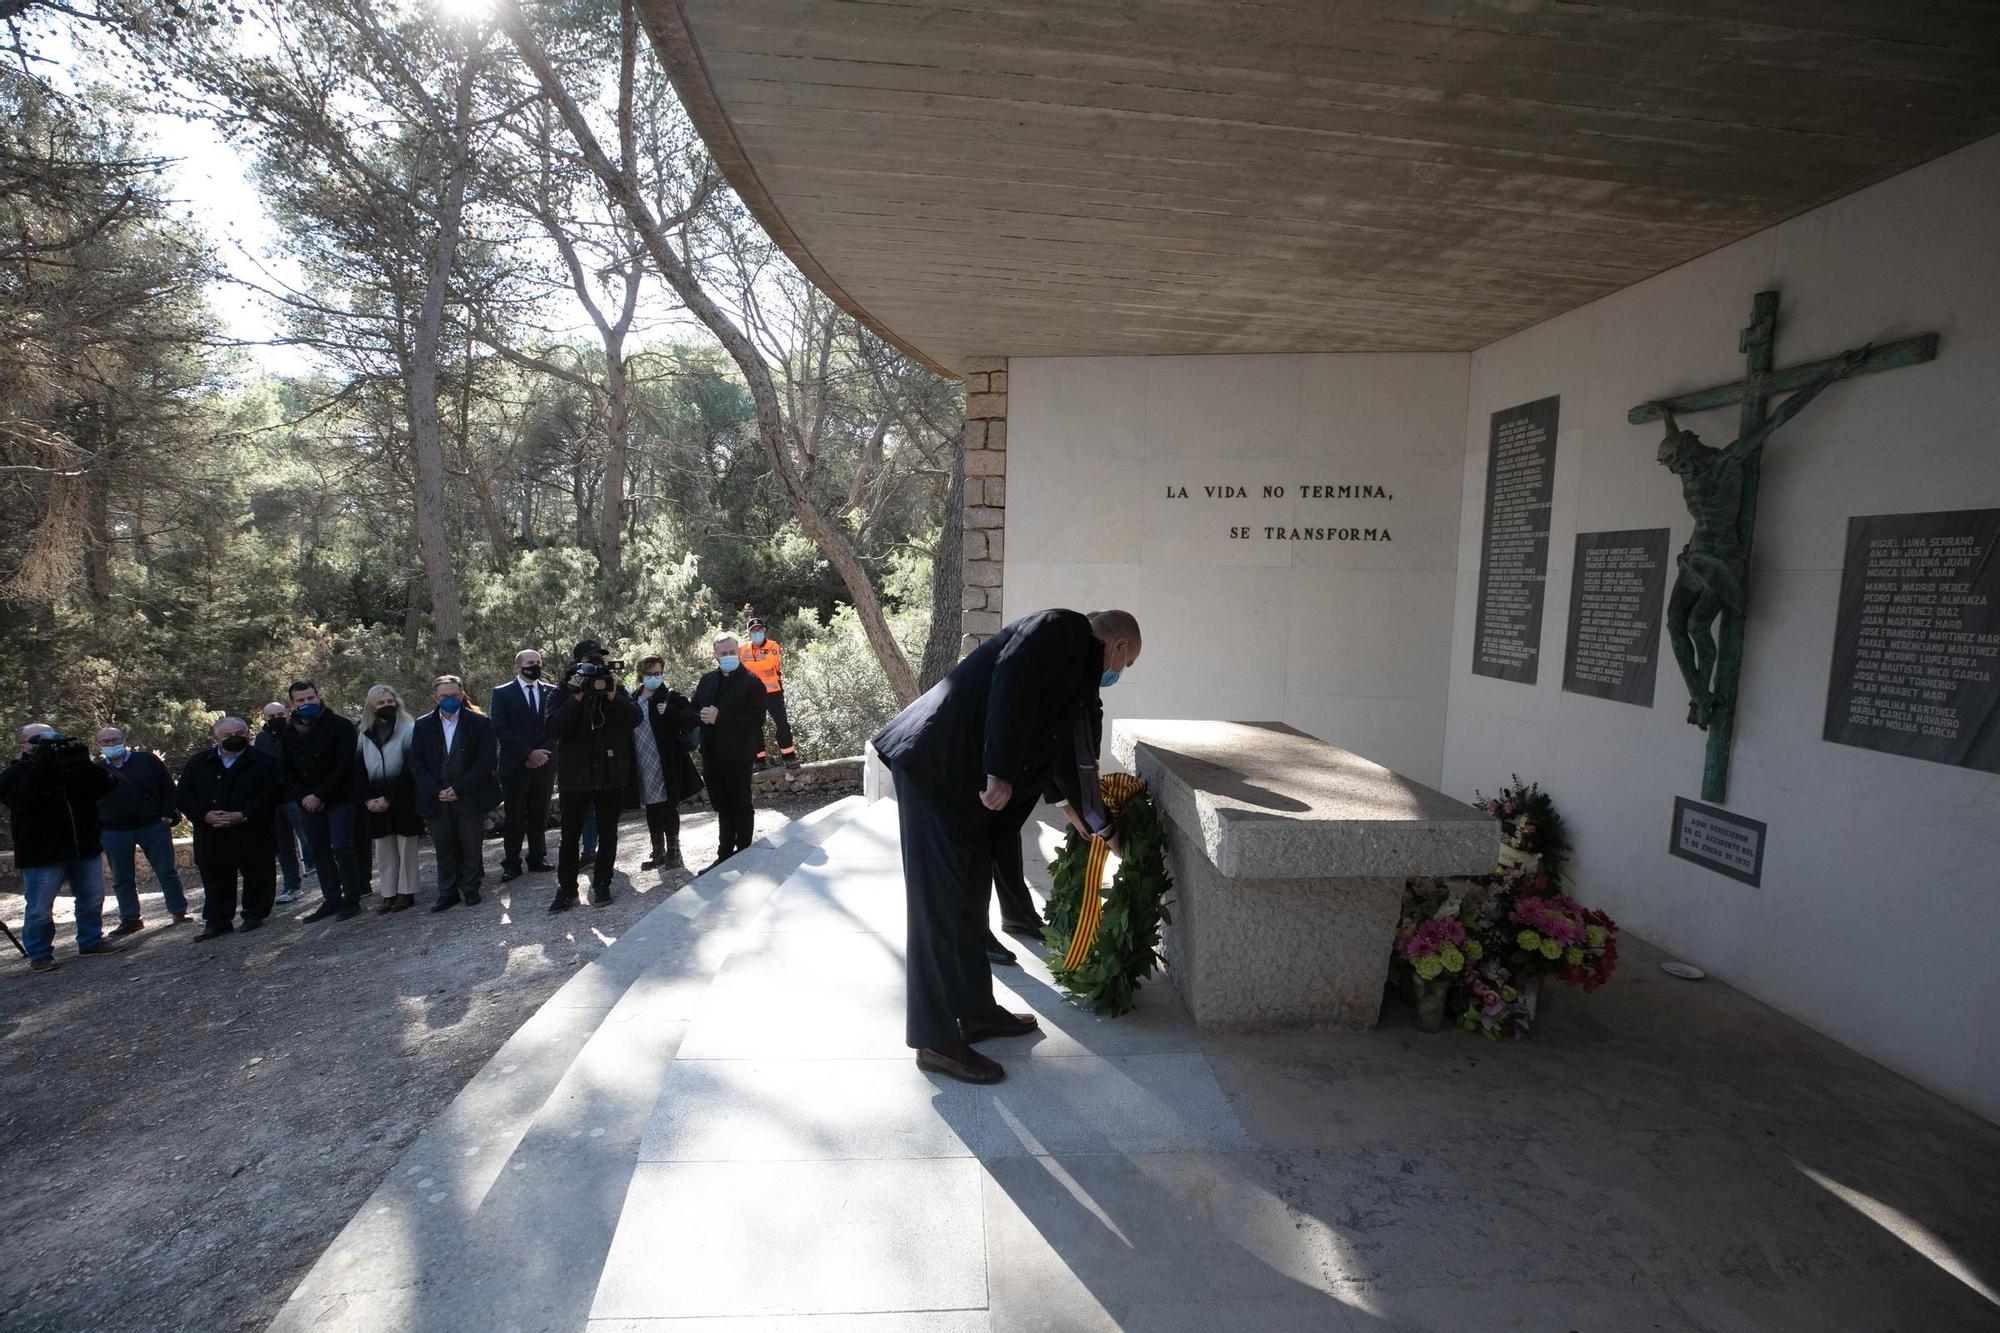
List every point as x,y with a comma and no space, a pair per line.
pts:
926,1321
789,1238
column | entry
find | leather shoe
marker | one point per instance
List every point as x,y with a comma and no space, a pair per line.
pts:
471,899
960,1062
563,902
128,928
251,923
999,954
213,933
542,869
999,1023
600,897
389,904
100,949
444,904
320,913
508,876
347,913
1034,928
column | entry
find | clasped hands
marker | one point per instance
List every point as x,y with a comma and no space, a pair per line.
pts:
224,818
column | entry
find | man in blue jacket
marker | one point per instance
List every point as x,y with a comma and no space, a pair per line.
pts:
1011,715
138,815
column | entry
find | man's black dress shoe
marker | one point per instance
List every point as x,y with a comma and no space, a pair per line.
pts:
960,1062
600,897
543,869
347,913
1034,928
251,923
320,913
444,904
563,902
471,898
509,874
999,1023
999,954
213,932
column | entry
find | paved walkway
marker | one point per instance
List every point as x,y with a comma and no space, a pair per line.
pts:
717,1127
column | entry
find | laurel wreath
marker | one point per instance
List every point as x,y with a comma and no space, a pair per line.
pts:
1126,948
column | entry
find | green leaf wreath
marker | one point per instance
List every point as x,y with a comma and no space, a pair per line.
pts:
1126,950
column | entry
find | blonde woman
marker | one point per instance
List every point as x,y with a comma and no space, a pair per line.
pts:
389,797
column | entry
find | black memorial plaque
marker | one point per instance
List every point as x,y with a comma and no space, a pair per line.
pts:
1725,843
1916,652
1514,555
1617,588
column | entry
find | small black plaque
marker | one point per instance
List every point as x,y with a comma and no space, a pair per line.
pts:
1617,587
1916,653
1726,843
1514,554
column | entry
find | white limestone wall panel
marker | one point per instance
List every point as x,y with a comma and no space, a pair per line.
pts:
1880,888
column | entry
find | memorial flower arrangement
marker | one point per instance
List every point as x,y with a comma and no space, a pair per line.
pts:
1531,830
1508,930
1121,940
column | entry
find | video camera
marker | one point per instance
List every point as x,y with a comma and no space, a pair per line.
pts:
588,675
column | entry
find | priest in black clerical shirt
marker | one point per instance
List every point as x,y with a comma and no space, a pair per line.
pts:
1010,715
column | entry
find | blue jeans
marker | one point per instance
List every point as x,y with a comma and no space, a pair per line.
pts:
589,851
329,833
40,886
156,840
291,841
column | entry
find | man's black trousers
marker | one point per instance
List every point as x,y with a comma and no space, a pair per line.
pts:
219,874
576,805
1010,883
729,792
527,791
947,871
456,832
774,708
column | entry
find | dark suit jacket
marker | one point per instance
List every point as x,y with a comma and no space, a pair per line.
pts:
469,770
517,728
1009,709
251,787
737,733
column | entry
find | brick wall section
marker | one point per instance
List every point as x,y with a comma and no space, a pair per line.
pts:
985,495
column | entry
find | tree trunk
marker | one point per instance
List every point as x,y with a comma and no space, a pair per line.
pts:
97,534
947,578
426,443
678,275
617,443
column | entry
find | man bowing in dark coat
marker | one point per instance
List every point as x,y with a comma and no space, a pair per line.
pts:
1010,715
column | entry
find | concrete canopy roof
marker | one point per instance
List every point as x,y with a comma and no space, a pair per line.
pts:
1052,177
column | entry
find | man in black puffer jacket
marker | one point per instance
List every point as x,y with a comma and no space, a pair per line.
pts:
592,728
318,755
52,791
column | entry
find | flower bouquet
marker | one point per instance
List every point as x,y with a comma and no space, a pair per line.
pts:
1531,830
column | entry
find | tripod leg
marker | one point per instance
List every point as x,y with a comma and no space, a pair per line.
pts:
11,940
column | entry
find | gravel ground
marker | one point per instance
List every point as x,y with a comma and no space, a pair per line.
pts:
183,1128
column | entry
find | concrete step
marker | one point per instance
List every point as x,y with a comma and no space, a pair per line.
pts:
500,1214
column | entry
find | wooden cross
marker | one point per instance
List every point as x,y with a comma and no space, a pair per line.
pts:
1714,567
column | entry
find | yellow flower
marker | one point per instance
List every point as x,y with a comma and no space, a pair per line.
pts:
1474,950
1551,949
1452,959
1574,957
1528,940
1428,968
1595,934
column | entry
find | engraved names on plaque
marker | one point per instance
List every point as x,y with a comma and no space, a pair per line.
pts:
1916,651
1617,588
1514,553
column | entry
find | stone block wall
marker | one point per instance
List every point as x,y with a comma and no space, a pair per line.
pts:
985,496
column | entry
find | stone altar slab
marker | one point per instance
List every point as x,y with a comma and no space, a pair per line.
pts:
1288,856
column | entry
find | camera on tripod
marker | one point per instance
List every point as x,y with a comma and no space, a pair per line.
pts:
589,675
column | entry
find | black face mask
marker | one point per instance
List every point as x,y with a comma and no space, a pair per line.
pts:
235,744
532,671
386,713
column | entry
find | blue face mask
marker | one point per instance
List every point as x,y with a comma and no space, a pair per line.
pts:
729,661
756,636
450,706
114,752
307,711
653,682
1108,678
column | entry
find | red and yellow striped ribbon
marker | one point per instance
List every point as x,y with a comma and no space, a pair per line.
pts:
1116,789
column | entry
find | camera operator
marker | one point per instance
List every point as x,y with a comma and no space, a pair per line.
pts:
592,728
52,791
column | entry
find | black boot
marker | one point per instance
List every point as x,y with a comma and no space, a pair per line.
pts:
658,858
565,899
600,894
674,861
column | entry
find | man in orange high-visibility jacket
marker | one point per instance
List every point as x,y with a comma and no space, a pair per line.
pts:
765,660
